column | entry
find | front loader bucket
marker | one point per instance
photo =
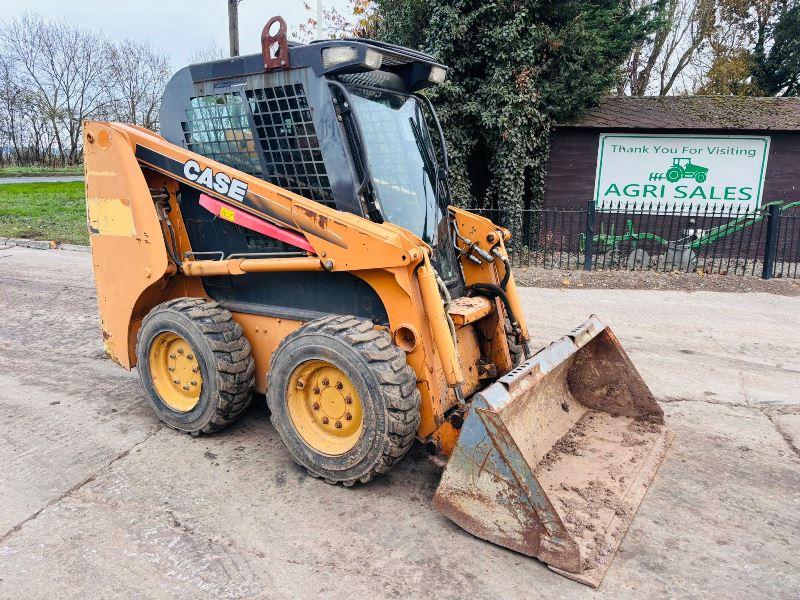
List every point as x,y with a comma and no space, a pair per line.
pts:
555,457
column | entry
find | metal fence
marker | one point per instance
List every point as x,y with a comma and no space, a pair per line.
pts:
764,242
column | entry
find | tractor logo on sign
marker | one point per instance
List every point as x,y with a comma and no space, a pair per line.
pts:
682,168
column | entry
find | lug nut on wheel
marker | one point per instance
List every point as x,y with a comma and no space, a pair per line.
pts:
325,420
339,385
348,400
315,406
348,417
338,424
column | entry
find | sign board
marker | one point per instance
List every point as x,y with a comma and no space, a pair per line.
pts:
654,173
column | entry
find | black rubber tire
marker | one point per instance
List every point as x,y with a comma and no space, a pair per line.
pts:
386,385
223,354
515,348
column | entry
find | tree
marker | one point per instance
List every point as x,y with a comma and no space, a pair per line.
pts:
754,49
208,53
355,21
53,76
63,67
11,97
730,73
515,67
671,55
777,66
137,76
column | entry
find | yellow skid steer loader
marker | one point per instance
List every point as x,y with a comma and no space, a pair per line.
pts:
292,234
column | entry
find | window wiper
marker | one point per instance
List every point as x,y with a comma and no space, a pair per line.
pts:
356,136
435,117
444,195
429,167
440,184
438,176
427,160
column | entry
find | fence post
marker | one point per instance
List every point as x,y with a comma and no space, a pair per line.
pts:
771,246
588,245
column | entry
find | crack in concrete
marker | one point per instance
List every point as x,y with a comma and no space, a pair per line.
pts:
759,408
78,485
675,400
775,425
27,350
783,433
42,282
748,363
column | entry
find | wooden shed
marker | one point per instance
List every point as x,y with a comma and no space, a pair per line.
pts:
767,127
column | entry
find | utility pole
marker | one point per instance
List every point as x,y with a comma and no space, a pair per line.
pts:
320,17
233,25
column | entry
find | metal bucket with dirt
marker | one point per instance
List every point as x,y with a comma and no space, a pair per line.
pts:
554,458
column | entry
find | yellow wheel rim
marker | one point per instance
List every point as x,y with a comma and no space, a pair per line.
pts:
324,407
175,372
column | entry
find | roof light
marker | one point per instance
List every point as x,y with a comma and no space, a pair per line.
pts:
374,59
336,55
438,75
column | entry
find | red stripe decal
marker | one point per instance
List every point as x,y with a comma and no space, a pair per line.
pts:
223,210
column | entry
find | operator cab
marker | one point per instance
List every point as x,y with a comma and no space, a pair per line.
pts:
336,121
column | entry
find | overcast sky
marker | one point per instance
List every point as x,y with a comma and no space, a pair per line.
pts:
179,27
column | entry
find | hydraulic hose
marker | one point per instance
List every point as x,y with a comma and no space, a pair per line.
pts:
161,200
490,290
503,259
447,300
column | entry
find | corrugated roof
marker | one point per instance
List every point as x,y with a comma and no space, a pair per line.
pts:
692,112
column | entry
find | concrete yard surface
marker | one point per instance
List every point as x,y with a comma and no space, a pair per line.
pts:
97,500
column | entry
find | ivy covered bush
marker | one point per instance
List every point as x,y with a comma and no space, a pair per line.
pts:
516,67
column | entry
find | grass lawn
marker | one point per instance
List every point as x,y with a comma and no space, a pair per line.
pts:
44,171
44,211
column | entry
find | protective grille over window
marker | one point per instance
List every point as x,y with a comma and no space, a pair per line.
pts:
217,127
289,141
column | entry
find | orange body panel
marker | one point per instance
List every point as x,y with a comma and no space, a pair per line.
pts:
126,165
264,335
126,260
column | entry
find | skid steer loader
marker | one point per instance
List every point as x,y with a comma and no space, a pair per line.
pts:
292,234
